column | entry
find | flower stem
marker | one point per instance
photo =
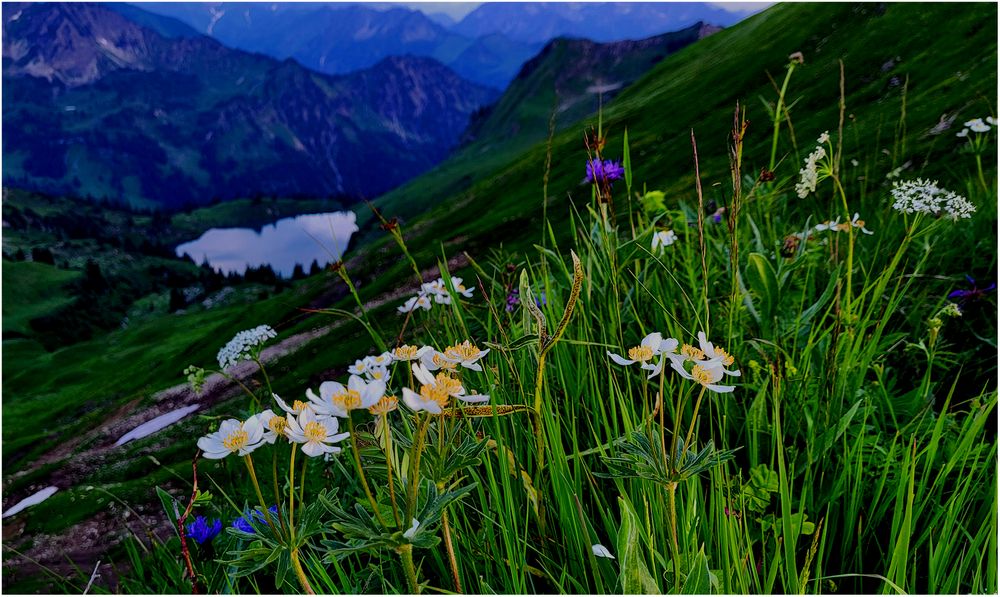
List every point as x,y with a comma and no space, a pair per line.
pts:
979,168
300,573
418,446
406,554
694,417
291,494
253,477
452,562
389,467
361,472
674,548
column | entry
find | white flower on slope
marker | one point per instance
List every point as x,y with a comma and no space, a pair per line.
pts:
460,288
245,345
645,354
233,437
379,360
335,400
315,433
274,426
717,353
297,406
707,373
434,360
465,354
925,197
436,392
377,373
410,353
359,367
962,133
663,239
415,302
978,126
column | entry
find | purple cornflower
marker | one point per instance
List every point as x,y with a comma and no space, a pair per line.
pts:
513,300
243,523
600,172
202,531
973,294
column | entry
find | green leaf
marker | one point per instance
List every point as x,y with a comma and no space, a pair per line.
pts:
764,283
627,162
699,580
635,577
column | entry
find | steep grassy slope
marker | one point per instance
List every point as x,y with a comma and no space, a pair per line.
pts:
889,52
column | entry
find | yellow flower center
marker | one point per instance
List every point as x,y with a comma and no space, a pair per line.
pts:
297,406
436,393
377,374
460,288
448,384
406,352
347,400
640,353
463,352
701,375
314,431
695,354
443,364
277,424
236,440
385,404
727,359
844,227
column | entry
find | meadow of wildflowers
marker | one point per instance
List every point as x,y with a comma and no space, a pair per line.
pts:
691,409
788,386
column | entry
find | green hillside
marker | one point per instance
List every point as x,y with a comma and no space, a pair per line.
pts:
942,71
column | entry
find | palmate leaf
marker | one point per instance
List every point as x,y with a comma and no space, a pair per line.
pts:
643,459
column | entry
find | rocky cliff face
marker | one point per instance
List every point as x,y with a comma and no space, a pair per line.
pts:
100,105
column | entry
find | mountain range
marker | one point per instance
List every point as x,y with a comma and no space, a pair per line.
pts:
487,46
144,109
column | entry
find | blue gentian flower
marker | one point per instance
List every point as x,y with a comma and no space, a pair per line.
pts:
202,531
600,172
243,523
974,293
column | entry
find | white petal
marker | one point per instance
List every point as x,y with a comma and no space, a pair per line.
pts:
422,374
412,530
472,365
413,400
653,341
669,345
720,389
601,551
619,360
475,398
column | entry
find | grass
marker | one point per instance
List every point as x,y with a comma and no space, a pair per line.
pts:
861,457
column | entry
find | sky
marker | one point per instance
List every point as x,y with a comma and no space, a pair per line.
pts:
457,10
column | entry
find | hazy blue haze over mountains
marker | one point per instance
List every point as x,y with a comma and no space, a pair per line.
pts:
98,104
340,38
533,22
487,46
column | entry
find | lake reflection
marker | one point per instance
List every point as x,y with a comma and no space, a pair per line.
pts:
283,244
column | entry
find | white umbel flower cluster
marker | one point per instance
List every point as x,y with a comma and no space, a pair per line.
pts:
809,176
921,196
245,345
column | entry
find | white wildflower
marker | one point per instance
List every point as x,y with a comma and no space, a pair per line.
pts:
274,425
410,353
245,345
925,197
415,302
977,125
379,360
663,239
991,121
824,138
233,437
465,354
315,433
962,133
809,176
436,392
377,373
707,373
297,406
334,400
